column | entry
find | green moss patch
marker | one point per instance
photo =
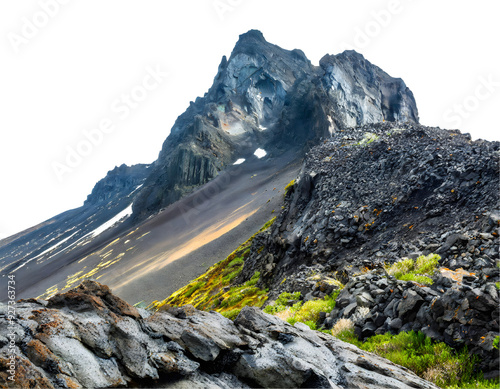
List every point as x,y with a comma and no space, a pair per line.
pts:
289,186
213,290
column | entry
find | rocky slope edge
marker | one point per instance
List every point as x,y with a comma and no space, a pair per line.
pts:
89,337
386,191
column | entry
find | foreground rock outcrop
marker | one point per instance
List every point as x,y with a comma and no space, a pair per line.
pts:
88,337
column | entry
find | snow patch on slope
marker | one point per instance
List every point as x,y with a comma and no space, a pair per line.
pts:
111,222
259,153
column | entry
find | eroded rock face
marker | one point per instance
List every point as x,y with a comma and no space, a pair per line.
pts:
266,97
364,93
119,182
88,337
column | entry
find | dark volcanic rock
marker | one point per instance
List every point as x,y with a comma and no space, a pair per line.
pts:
381,193
455,314
374,194
266,97
103,345
119,182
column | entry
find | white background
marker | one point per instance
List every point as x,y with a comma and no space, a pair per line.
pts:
62,79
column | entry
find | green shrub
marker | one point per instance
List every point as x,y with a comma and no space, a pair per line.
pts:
368,138
416,270
420,279
311,309
282,303
254,279
311,324
400,268
194,288
235,262
307,312
426,264
232,313
434,361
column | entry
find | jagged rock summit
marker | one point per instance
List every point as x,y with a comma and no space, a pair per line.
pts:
267,97
90,338
267,106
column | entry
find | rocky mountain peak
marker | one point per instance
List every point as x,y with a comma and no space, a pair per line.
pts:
385,226
266,97
376,95
251,36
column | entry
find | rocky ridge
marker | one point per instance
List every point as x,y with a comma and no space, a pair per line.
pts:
376,195
387,191
460,308
88,337
118,183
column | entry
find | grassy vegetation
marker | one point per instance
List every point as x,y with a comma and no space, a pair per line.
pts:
307,313
434,361
283,302
417,270
213,290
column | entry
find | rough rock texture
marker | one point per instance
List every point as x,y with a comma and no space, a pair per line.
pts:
119,182
363,93
457,310
387,191
381,193
89,337
266,97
